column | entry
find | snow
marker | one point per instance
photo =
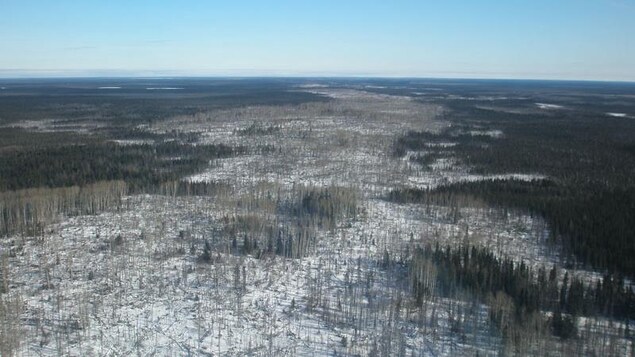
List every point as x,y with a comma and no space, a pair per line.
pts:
352,94
313,85
53,125
617,115
548,106
147,297
163,88
132,142
109,88
519,177
441,145
490,133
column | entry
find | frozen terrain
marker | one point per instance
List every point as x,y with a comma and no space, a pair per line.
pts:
131,281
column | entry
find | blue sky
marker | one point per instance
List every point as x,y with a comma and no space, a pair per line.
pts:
549,39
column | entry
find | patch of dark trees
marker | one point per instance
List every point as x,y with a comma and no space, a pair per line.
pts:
482,274
293,231
285,241
324,207
142,167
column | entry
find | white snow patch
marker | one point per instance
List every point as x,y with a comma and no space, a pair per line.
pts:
549,106
109,88
353,95
444,163
617,115
490,133
163,88
519,177
132,142
441,145
478,98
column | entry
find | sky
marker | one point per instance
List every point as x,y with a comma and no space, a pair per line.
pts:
530,39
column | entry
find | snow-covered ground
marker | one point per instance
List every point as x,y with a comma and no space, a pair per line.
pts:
84,294
130,282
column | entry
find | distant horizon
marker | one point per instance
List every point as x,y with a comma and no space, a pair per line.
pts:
300,76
